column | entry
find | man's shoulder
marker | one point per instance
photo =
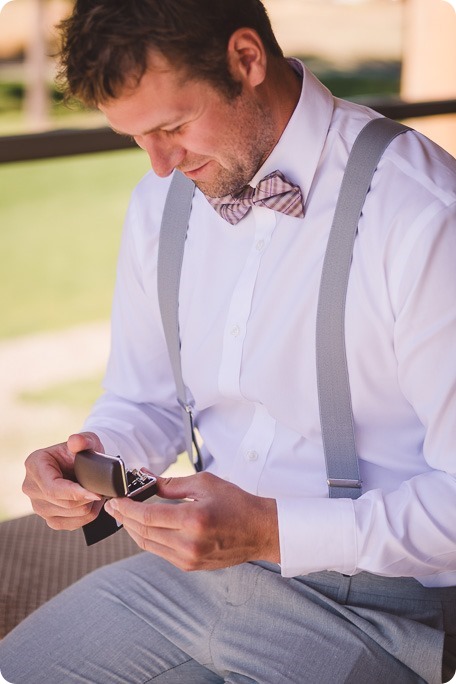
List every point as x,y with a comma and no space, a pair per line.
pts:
411,158
425,164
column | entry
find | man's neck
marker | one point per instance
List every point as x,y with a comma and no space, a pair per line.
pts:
284,86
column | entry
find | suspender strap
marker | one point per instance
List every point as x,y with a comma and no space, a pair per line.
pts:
173,233
332,372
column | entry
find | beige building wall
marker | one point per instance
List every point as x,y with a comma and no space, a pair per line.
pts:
429,63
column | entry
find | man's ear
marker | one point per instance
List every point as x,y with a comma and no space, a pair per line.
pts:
247,58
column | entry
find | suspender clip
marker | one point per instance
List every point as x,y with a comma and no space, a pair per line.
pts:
350,484
187,407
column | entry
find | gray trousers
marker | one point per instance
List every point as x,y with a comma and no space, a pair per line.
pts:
142,620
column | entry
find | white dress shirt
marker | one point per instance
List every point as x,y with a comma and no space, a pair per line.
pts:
248,302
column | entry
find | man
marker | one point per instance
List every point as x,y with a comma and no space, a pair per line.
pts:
303,587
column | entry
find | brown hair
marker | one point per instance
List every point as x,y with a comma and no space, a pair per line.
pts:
107,42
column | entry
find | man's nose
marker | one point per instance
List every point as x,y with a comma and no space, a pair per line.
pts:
164,154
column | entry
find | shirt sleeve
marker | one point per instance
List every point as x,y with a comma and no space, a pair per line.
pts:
138,417
411,530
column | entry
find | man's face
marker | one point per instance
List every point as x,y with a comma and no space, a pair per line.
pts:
191,126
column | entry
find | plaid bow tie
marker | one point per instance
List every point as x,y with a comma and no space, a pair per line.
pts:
274,192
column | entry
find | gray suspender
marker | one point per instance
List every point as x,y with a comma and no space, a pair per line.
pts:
332,374
173,233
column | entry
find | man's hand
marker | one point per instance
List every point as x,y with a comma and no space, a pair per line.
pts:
63,503
218,526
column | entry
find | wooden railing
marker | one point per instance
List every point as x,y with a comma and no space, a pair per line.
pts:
62,143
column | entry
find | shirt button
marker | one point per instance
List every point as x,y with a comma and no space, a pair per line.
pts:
235,331
252,456
260,245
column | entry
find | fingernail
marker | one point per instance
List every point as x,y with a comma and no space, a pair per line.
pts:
147,471
92,497
113,505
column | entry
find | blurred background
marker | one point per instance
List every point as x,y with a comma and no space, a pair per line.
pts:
60,218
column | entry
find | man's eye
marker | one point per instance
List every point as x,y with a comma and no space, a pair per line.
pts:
174,131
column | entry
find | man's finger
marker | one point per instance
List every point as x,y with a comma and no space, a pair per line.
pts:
190,487
49,510
149,514
66,493
60,519
170,552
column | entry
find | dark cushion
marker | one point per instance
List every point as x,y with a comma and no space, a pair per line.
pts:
37,562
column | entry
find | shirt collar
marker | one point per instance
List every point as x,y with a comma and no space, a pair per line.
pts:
298,151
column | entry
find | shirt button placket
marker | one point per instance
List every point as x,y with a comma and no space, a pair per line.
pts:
240,306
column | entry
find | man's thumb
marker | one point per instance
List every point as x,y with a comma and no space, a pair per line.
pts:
176,487
84,440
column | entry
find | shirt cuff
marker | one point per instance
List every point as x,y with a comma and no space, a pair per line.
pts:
317,535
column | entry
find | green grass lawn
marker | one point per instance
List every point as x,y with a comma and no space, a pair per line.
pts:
77,394
60,224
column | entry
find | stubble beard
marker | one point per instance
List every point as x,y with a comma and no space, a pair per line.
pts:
247,149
